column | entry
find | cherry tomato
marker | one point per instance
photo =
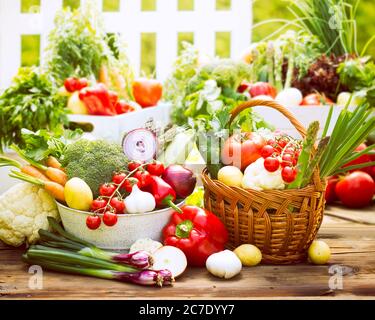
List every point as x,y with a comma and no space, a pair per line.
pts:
287,160
356,189
143,177
107,189
110,218
242,150
267,151
155,168
134,165
118,205
98,204
93,222
118,178
271,164
129,183
288,174
147,92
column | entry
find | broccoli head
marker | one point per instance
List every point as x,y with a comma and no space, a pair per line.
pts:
93,161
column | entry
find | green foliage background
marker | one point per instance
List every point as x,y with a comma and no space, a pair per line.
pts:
262,10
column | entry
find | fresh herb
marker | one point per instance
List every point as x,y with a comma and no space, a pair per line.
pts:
42,143
31,102
357,74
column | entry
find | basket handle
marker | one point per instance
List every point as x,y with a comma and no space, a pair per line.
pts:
271,104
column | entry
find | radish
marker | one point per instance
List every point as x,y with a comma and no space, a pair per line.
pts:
170,258
290,97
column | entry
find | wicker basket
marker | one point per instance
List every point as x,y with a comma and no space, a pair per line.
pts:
281,223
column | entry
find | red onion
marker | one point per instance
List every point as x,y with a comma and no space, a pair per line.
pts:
181,179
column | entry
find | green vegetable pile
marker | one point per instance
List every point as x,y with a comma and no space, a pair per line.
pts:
79,46
204,94
31,102
93,161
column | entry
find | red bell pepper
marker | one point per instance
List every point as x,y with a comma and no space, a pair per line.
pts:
98,100
197,232
74,84
163,193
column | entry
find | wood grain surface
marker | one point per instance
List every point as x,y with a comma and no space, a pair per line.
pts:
352,245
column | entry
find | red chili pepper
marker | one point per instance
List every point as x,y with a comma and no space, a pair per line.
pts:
98,100
163,193
197,232
123,107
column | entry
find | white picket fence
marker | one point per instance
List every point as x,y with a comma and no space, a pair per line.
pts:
166,22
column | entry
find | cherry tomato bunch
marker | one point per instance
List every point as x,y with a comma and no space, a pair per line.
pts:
283,151
110,202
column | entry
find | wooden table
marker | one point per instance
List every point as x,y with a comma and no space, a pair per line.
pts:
352,244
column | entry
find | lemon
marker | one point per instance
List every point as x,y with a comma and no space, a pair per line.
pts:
249,255
319,252
231,176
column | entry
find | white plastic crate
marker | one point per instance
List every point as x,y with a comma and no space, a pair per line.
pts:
113,128
305,114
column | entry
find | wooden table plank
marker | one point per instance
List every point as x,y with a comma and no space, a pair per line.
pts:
353,246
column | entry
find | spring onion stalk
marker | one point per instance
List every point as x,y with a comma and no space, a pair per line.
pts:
139,259
142,277
69,257
350,130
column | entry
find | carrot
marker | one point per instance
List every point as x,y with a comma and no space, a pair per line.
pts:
28,169
103,75
53,162
56,175
34,172
54,189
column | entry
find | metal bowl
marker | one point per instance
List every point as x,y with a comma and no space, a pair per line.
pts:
128,229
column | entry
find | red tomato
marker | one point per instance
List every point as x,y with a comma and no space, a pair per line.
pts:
109,218
271,164
330,194
155,168
98,204
263,88
118,205
118,177
267,151
134,165
363,159
288,174
242,150
129,183
356,189
147,92
107,189
93,222
143,177
315,99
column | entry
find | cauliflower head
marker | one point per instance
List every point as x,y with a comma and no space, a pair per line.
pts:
258,178
23,211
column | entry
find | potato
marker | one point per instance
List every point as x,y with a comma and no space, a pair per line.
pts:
249,255
231,176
